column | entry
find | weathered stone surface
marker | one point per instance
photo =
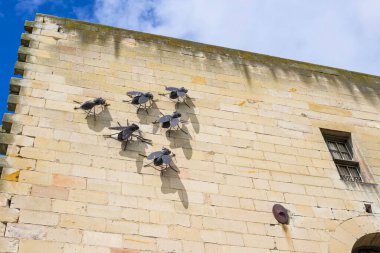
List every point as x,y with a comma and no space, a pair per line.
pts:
8,244
35,246
254,141
9,214
25,231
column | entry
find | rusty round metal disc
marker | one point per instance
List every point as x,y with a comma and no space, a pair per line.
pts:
280,213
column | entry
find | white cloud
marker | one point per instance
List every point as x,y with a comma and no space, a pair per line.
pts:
31,6
340,33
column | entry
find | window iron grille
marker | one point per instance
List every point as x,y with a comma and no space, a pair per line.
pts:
349,173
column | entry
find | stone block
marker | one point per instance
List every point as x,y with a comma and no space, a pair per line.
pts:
103,186
139,243
15,187
9,244
38,217
82,222
64,235
50,192
9,214
122,227
192,247
31,203
78,248
16,139
39,154
35,246
68,181
25,231
213,236
34,177
153,230
69,207
167,245
102,239
184,233
96,197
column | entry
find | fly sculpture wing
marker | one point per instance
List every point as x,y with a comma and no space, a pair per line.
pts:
87,106
171,122
161,160
140,100
126,134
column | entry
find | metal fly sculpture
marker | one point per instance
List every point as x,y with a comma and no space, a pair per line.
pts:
179,94
87,106
171,121
161,160
140,99
127,133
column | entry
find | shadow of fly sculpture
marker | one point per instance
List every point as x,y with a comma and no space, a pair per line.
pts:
161,160
87,106
179,94
127,133
171,122
140,100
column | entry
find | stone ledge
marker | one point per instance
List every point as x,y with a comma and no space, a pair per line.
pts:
28,26
19,68
15,85
12,102
25,39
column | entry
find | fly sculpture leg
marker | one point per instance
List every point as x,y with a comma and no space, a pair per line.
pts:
94,113
88,113
149,164
142,139
125,145
110,135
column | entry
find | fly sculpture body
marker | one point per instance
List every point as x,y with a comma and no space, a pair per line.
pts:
171,122
87,106
127,133
161,160
177,94
140,100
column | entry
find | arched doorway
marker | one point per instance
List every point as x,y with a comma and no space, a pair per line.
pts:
356,235
369,243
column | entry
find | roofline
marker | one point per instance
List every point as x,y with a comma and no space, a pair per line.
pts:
223,50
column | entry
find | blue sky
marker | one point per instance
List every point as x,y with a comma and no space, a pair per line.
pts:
340,33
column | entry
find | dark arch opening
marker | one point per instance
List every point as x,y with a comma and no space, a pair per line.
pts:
367,244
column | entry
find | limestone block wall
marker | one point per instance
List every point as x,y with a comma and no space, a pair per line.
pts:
254,141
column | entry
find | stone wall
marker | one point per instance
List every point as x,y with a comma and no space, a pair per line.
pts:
255,140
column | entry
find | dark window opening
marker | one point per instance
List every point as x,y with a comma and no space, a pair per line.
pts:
368,208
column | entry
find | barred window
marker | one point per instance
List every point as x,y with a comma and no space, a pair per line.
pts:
340,149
